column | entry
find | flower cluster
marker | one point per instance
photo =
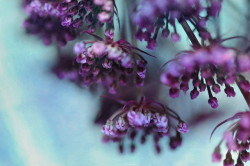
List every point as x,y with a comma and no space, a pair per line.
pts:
237,139
110,63
149,117
53,20
153,16
209,68
72,13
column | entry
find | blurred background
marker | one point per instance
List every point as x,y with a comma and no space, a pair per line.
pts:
45,121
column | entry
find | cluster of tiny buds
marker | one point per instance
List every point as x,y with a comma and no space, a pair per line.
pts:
110,63
149,117
237,139
203,66
74,13
151,16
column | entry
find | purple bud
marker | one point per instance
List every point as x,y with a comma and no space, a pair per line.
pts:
216,156
175,37
182,127
213,102
151,44
229,91
174,92
216,88
194,93
165,33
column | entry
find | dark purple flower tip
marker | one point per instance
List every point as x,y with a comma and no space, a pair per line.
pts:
182,127
132,148
175,37
121,149
229,91
202,87
194,93
229,160
158,148
213,102
152,44
245,156
245,85
165,33
216,156
184,87
175,141
216,88
174,92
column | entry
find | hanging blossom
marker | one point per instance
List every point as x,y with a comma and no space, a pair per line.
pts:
73,13
151,16
208,68
237,139
110,63
147,117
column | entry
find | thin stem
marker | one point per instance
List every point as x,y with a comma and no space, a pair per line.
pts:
190,33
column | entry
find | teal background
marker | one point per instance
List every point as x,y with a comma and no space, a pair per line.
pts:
48,122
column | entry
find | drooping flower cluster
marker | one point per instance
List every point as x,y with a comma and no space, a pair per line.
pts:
110,63
72,13
237,139
53,20
151,16
149,117
208,68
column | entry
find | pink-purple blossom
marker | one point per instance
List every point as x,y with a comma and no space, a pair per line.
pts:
110,63
153,16
237,139
207,68
150,117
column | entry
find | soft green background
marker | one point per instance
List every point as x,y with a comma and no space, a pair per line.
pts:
48,122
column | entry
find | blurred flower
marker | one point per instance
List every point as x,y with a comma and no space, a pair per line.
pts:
73,13
237,139
49,29
203,66
153,16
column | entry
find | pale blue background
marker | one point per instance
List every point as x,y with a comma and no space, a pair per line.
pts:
48,122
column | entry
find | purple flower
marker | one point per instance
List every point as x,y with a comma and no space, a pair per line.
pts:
115,61
237,139
146,116
153,16
208,68
74,13
182,127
